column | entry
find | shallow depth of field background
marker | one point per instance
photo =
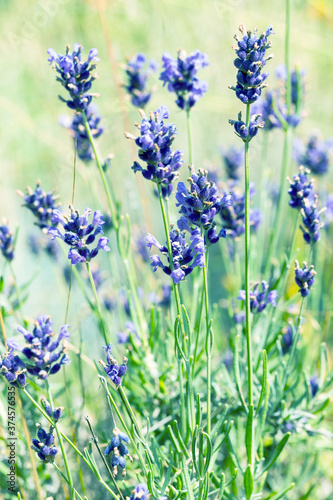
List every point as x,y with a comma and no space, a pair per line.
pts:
34,146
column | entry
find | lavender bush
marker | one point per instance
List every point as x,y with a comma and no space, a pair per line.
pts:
190,361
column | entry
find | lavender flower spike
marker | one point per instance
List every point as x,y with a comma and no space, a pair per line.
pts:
111,368
304,278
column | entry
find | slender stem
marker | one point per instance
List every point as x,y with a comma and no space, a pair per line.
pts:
247,265
63,452
31,455
102,322
209,357
189,134
95,441
105,185
294,346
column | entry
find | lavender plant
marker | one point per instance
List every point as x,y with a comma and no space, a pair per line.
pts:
221,368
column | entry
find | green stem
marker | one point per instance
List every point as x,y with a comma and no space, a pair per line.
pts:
209,357
178,302
294,346
247,290
189,134
102,322
63,452
95,441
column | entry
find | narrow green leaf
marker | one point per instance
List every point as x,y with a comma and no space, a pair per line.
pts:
221,488
275,455
174,439
282,493
217,427
180,439
264,380
194,454
168,474
248,482
208,453
187,478
237,375
198,417
249,435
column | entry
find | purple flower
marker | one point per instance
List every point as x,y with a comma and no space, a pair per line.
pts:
41,204
251,58
244,132
55,414
233,215
12,367
6,241
180,76
43,445
79,234
311,223
300,188
140,492
304,278
184,257
78,131
117,447
259,299
137,76
75,75
111,368
315,154
44,356
154,142
200,204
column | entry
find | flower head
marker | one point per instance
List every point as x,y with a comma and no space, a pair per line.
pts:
13,368
304,277
140,492
79,133
199,204
185,257
117,447
250,60
244,132
233,215
259,299
111,368
6,241
80,234
41,203
44,355
154,142
315,154
137,75
311,220
300,188
233,159
56,414
75,75
43,445
180,76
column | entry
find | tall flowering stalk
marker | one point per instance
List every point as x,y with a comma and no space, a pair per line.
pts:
251,58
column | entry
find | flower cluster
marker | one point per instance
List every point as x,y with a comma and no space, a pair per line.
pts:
119,451
44,356
180,75
13,368
155,142
75,75
111,368
56,414
137,76
311,216
43,445
140,492
184,257
244,132
264,107
287,338
259,300
315,154
6,241
200,204
80,234
233,215
304,277
251,58
300,188
40,203
233,159
78,131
